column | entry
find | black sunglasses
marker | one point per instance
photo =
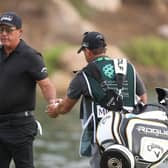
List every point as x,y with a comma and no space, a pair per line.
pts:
7,29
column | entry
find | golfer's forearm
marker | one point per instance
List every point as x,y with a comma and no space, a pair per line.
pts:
48,90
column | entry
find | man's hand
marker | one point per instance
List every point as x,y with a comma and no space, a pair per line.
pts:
60,106
53,108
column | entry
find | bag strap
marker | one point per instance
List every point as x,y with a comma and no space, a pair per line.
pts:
120,66
88,84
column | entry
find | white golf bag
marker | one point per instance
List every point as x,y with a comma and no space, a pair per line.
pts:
127,140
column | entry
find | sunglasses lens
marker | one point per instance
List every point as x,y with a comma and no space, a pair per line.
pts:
1,29
7,29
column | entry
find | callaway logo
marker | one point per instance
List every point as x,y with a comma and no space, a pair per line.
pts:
44,69
103,121
6,17
156,149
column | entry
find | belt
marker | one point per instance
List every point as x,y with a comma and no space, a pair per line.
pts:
24,114
19,114
15,119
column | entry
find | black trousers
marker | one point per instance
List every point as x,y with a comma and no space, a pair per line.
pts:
16,142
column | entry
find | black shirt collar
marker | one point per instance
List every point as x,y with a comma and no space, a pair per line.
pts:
16,50
19,46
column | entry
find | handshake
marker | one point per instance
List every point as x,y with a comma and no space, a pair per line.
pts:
54,107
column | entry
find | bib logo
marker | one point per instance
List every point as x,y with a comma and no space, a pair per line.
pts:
108,71
101,112
120,64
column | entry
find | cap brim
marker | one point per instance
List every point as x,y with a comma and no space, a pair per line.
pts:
6,23
80,49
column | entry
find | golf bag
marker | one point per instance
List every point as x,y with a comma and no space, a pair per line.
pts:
128,140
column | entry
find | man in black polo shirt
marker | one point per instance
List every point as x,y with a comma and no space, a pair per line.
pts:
21,67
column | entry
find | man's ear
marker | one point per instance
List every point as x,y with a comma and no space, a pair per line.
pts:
20,32
89,52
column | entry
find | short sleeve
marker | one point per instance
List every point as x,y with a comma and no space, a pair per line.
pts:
36,66
77,87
